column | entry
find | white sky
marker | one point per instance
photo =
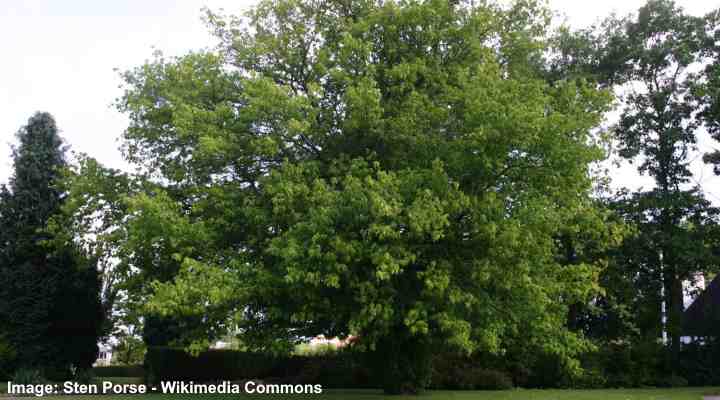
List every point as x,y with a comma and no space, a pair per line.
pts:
60,56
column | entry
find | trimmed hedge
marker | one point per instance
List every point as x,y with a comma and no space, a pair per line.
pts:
165,364
119,371
453,372
616,365
331,371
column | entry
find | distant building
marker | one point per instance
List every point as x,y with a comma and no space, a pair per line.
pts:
105,354
321,340
702,317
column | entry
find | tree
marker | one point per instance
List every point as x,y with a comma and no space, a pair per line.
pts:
394,170
92,215
649,59
130,350
706,88
48,300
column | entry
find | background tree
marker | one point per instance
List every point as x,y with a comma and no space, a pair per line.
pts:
706,87
93,215
49,298
649,59
130,349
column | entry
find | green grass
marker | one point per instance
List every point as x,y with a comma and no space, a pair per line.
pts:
619,394
519,394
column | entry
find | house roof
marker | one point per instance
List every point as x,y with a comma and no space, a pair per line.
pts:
702,318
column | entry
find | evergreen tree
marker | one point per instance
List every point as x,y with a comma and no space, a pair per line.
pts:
49,295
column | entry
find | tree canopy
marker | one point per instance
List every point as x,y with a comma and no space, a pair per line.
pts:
399,171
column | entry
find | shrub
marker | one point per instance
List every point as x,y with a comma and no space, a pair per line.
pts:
456,372
548,371
165,363
700,363
84,376
672,381
57,373
342,369
483,379
28,376
632,364
403,365
590,378
7,357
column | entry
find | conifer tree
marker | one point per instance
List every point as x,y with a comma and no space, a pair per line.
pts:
49,300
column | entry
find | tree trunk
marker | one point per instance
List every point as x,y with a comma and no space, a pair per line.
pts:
675,313
403,363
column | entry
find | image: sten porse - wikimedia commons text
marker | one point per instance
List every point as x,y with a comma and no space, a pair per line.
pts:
166,387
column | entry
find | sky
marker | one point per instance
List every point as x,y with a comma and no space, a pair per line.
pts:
64,56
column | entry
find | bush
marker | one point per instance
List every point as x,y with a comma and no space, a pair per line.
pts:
165,363
341,369
120,371
700,363
549,370
403,365
84,376
633,364
483,379
7,357
456,372
591,378
28,376
672,381
57,373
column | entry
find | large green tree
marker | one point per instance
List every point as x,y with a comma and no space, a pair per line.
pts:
49,300
401,171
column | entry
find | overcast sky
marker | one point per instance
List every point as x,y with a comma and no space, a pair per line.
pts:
60,56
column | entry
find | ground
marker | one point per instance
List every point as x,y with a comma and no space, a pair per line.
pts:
518,394
620,394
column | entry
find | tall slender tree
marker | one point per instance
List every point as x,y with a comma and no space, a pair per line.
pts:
49,294
649,59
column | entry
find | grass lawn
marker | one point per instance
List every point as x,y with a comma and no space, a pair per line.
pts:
619,394
519,394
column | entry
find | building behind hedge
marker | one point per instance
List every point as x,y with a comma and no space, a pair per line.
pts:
702,317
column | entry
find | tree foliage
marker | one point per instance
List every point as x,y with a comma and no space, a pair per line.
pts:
49,301
401,171
650,58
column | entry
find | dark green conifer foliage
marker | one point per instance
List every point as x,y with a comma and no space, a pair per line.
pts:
49,302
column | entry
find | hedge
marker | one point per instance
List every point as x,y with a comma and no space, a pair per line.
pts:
331,371
119,371
616,365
